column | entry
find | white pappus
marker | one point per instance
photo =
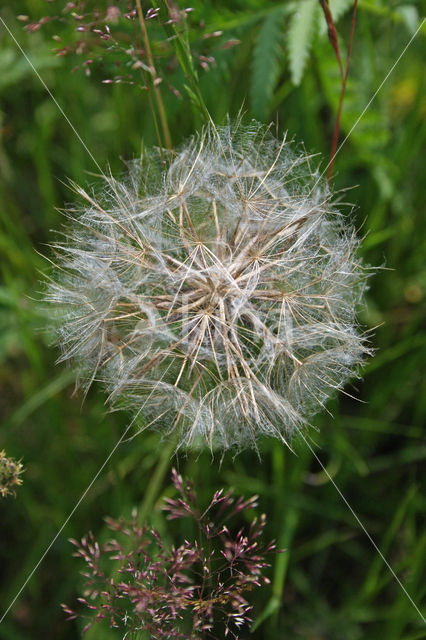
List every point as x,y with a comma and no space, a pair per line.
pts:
215,296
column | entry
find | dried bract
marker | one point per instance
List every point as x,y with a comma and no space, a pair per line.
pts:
216,296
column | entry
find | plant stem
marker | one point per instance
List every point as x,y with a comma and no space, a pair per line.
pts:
151,494
156,480
342,95
332,36
145,507
183,53
332,33
155,79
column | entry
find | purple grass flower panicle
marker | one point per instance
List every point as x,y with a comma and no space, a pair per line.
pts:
197,590
102,37
215,296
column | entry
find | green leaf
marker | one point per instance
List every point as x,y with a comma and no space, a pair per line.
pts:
16,69
266,66
339,7
56,385
410,16
301,32
272,607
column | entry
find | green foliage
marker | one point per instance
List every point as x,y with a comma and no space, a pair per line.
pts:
16,69
372,131
267,59
330,584
339,7
300,35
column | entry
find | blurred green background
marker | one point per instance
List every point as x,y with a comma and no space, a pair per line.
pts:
330,584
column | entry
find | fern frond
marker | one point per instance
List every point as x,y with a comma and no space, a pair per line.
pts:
266,65
303,24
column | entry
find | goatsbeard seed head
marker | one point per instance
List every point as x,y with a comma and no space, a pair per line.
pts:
215,296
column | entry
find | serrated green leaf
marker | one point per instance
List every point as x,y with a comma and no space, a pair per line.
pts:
267,57
301,31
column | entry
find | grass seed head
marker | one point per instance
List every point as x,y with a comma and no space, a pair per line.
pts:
10,475
216,296
196,590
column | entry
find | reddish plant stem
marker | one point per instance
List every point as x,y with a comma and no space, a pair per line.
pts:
332,35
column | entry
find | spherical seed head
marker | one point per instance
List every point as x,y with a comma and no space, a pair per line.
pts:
215,296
